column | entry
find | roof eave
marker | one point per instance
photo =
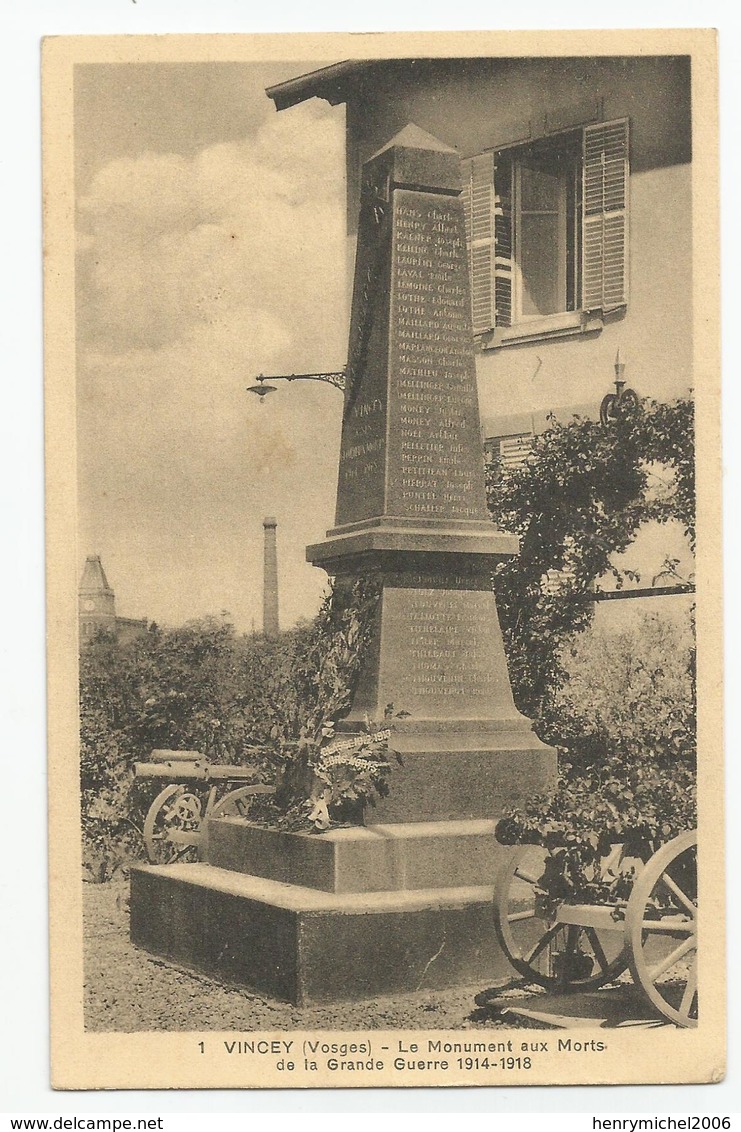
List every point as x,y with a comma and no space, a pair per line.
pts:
329,83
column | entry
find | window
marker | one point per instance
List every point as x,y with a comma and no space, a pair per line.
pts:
547,231
512,451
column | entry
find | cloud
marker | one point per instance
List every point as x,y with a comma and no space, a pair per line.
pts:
173,244
194,275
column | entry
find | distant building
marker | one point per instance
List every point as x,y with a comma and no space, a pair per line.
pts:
97,606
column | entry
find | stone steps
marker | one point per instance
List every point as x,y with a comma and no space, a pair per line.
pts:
364,859
309,946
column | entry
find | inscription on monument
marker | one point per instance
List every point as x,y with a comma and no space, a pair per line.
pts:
362,474
444,641
410,439
433,409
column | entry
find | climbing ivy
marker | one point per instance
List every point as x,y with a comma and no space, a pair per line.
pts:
578,500
624,723
316,783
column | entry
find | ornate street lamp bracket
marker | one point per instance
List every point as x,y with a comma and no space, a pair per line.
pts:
263,384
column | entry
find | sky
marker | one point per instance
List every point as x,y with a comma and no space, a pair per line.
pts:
211,248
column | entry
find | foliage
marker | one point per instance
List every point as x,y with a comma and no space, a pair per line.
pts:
108,835
629,694
265,702
665,436
168,688
625,724
580,499
620,708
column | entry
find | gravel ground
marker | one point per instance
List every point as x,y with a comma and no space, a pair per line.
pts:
127,990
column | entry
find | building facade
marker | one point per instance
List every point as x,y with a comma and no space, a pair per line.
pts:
577,183
97,606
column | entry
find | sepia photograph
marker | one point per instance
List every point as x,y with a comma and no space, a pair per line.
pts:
383,560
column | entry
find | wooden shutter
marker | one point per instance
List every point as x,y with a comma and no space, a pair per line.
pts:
605,216
503,242
478,202
514,450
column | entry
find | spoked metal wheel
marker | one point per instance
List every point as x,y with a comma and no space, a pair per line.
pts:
579,947
238,803
234,804
661,930
172,827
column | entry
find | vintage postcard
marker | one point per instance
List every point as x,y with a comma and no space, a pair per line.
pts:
383,504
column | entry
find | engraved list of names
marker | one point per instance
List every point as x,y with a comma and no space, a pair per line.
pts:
435,457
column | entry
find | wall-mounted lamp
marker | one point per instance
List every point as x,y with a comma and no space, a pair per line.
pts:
262,388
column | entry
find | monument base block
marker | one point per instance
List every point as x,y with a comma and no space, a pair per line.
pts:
320,918
311,947
437,784
358,859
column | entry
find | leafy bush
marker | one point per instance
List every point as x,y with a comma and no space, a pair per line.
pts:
625,726
269,703
580,499
109,838
620,707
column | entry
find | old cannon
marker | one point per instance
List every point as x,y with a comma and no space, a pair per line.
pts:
568,946
175,825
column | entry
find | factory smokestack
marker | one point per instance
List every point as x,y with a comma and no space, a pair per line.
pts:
270,580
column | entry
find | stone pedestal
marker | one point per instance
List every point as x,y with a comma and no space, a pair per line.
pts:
311,947
318,918
405,902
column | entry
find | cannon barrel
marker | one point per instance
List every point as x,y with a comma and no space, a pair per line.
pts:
165,755
194,769
174,771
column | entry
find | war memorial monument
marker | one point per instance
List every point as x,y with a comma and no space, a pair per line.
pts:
404,901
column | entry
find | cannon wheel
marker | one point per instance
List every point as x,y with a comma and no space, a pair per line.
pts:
661,930
235,803
172,827
559,956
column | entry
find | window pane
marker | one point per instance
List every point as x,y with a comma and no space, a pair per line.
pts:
545,231
541,189
540,265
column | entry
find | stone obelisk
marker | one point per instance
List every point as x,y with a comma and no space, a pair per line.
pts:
270,625
411,506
